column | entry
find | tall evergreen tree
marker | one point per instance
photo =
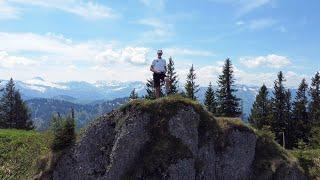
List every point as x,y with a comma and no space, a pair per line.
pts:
314,108
173,78
69,129
8,103
191,87
63,129
299,125
279,108
133,94
14,111
2,120
210,100
260,112
315,99
22,113
228,103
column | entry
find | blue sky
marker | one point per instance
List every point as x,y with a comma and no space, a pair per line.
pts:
116,40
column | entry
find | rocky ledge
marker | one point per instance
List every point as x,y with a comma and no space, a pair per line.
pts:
173,138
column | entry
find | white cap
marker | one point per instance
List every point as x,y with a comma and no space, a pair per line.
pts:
159,51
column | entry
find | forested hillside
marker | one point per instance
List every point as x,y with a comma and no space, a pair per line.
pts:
43,110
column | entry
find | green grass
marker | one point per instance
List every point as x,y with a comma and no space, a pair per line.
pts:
309,160
19,152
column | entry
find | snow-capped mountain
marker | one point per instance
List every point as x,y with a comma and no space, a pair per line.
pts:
85,92
76,91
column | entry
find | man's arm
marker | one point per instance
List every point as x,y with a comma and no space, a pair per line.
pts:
152,67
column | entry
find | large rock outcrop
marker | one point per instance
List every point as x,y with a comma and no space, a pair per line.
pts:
173,138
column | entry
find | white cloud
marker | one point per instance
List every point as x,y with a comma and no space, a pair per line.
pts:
210,73
7,61
257,24
7,11
159,29
272,60
86,9
186,52
245,6
133,55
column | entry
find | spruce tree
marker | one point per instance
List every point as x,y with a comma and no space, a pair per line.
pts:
314,108
8,102
315,99
210,100
228,103
191,87
260,112
173,78
133,95
63,129
15,113
299,125
22,113
279,108
69,129
2,120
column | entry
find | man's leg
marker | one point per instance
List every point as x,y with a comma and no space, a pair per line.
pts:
157,92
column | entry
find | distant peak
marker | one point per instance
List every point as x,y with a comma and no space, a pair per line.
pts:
38,78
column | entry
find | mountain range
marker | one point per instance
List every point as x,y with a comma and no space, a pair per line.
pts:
85,96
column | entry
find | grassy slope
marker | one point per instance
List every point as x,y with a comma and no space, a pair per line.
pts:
19,152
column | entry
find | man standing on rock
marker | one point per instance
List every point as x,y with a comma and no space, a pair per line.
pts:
159,69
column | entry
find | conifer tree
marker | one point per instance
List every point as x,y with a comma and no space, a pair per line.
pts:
299,125
279,108
14,111
69,129
191,87
228,103
150,90
22,113
173,78
260,112
210,100
315,99
2,120
314,108
63,129
7,101
133,94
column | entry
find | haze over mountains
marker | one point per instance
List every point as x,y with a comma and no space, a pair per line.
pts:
45,97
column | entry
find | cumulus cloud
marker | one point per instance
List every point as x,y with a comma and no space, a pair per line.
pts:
272,60
7,11
7,61
86,9
56,49
133,55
